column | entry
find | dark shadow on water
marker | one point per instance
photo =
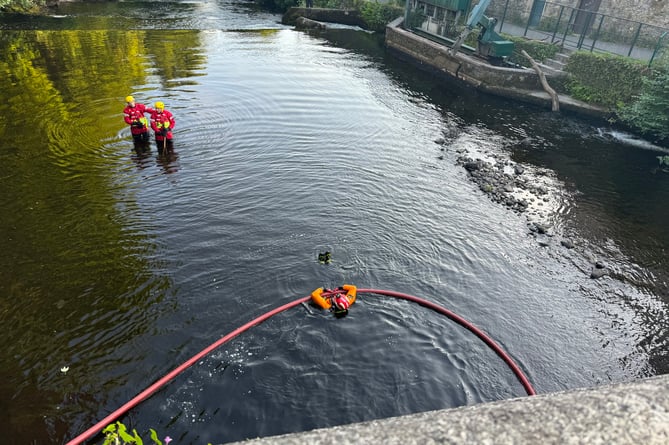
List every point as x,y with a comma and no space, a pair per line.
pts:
168,158
142,154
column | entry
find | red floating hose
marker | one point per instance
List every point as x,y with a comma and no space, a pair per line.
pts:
178,370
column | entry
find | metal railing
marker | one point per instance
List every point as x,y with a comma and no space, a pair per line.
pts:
579,29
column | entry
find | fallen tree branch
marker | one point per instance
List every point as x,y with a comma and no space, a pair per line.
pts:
544,83
458,43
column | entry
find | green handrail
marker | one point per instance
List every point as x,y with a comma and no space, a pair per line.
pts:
657,47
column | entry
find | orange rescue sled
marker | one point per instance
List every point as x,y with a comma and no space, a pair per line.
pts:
323,297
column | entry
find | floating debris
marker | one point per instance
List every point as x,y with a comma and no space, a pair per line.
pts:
325,257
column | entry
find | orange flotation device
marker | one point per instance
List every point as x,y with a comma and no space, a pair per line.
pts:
325,298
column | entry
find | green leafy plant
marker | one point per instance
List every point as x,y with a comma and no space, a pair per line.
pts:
472,37
21,5
378,15
604,79
415,19
649,112
117,434
538,50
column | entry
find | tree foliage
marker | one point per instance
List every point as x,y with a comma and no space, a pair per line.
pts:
66,215
377,15
649,112
21,5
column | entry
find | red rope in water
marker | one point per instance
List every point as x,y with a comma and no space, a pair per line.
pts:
178,370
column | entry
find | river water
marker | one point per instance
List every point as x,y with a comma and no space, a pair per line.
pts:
119,265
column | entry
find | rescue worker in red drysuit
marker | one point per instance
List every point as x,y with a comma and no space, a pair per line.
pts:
340,304
162,123
133,114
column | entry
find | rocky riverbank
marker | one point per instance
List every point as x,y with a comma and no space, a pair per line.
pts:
535,193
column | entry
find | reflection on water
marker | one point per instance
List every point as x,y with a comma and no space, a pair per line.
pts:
142,154
167,159
120,258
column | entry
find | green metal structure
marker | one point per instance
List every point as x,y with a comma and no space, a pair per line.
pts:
453,5
491,44
444,20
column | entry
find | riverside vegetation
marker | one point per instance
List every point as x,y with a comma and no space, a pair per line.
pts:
636,95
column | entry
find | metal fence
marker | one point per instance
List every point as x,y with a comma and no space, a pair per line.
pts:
579,29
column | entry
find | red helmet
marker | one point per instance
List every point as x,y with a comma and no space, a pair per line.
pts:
341,302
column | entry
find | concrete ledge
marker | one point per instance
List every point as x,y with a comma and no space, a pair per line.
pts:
632,413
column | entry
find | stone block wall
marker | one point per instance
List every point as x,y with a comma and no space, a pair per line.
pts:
652,12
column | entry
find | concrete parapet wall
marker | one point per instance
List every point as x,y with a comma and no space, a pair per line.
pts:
621,414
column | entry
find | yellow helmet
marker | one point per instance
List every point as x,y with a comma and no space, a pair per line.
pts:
129,99
160,105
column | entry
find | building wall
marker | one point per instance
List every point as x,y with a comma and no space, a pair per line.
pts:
653,12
